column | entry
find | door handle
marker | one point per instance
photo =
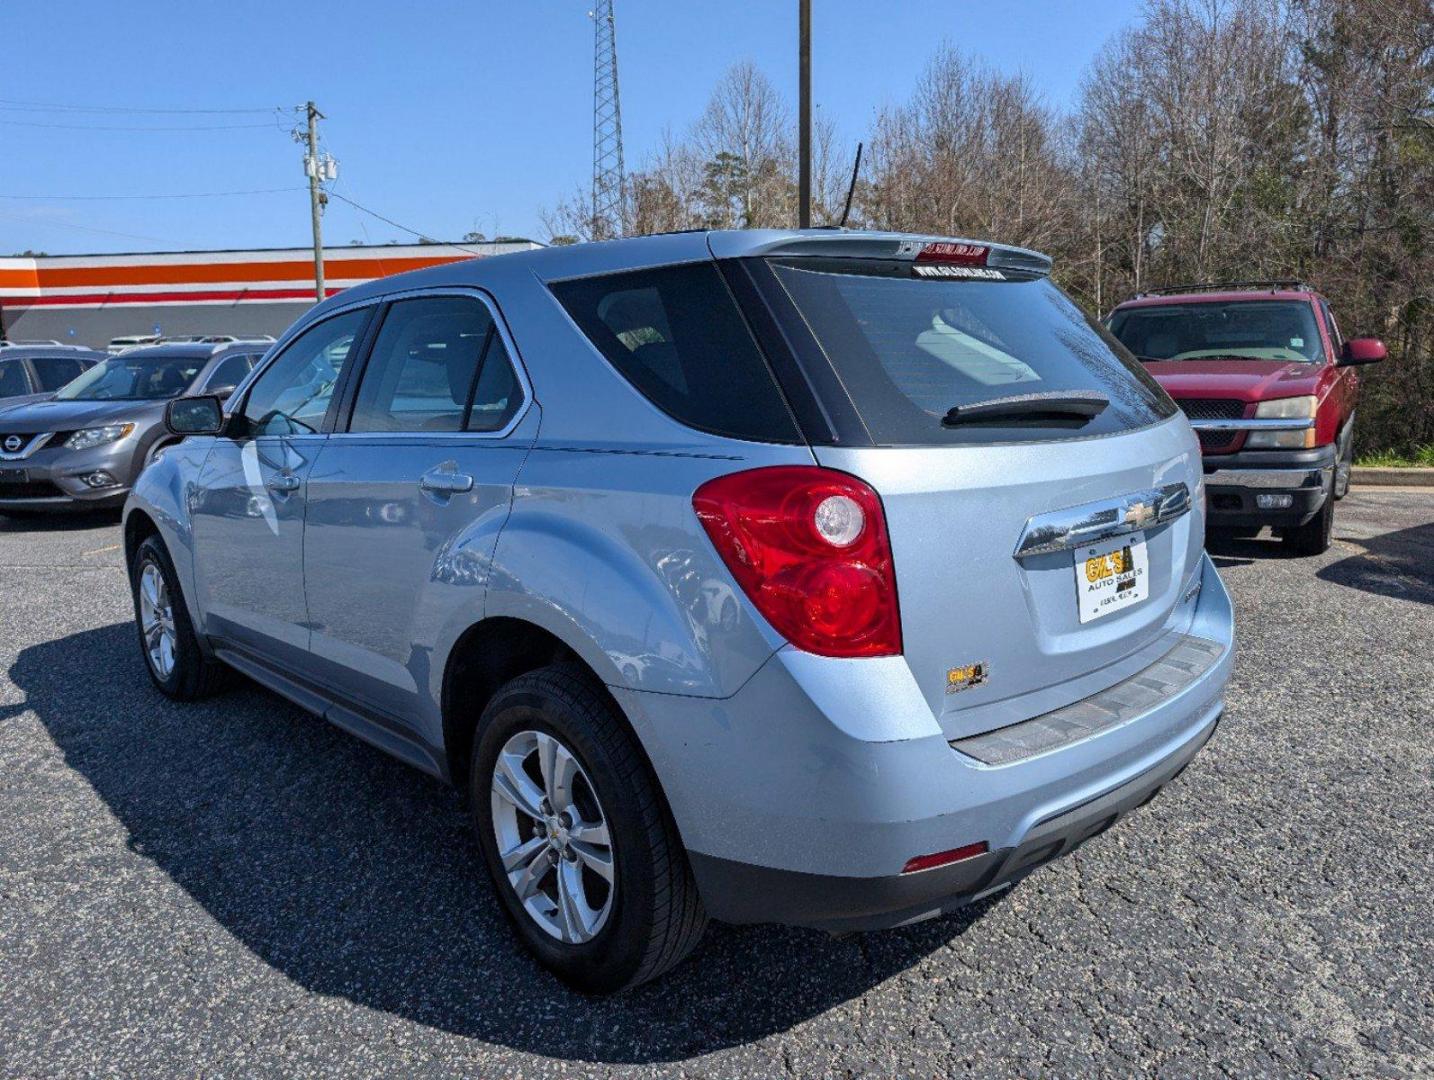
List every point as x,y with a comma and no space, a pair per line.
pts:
446,483
286,483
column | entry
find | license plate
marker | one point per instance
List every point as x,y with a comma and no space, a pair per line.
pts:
14,476
1111,576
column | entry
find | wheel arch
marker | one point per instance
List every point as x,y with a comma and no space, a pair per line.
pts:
490,653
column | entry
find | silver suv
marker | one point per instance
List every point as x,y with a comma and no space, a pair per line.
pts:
834,579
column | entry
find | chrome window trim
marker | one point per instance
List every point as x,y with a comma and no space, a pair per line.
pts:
29,448
1090,523
487,300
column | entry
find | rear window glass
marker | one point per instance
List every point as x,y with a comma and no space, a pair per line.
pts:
908,350
675,333
55,371
1242,330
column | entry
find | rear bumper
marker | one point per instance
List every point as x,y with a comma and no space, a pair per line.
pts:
1235,482
801,798
743,893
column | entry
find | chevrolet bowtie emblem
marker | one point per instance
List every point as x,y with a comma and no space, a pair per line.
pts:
1140,514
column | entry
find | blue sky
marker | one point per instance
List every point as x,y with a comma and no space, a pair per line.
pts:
446,117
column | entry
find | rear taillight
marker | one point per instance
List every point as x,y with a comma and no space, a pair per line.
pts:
809,548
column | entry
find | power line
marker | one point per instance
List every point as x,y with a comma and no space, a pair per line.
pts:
81,228
176,195
396,225
121,127
39,106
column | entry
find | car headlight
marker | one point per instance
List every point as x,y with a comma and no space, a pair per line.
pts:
98,436
1291,408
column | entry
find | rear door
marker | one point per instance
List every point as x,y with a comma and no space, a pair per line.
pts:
406,500
994,631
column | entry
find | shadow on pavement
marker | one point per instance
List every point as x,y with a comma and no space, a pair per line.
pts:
73,521
1398,564
355,876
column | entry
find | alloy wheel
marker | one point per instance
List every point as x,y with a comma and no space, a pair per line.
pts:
552,837
156,620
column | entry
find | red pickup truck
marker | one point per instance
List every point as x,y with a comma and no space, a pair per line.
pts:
1270,388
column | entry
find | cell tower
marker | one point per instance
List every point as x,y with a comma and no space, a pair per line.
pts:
608,178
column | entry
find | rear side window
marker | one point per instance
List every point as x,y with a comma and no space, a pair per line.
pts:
12,379
909,349
54,371
230,373
437,365
676,335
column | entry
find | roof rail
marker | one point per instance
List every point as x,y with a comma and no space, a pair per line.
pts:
1223,286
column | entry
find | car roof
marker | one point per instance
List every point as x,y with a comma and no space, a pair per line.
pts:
640,252
1229,296
16,352
178,351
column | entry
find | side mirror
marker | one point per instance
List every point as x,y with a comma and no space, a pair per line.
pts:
1362,350
194,416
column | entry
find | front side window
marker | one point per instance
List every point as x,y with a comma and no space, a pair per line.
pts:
911,352
676,334
437,364
53,372
293,394
1212,330
131,377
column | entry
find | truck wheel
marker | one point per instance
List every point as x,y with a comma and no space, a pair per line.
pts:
581,847
1313,537
1343,466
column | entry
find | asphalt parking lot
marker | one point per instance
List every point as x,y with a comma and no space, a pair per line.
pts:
237,888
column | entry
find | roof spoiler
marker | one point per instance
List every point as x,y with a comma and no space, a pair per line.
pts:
841,244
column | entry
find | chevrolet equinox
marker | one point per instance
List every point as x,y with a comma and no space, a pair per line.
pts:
827,578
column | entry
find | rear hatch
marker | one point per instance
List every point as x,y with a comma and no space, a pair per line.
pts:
988,412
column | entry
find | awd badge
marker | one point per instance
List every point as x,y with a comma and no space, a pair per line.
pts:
963,678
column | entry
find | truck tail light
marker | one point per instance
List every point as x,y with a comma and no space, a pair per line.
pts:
809,547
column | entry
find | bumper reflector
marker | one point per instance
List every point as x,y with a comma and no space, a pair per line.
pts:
944,858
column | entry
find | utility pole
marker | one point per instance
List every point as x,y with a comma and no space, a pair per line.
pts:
804,116
315,168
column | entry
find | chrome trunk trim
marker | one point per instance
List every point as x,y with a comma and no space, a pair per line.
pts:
1076,526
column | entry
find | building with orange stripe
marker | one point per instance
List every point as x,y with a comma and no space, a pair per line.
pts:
89,299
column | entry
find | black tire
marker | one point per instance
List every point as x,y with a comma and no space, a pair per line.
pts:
1344,464
1313,537
656,917
194,675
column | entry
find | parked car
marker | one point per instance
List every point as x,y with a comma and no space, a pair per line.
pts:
131,341
82,447
8,343
32,373
824,578
1270,386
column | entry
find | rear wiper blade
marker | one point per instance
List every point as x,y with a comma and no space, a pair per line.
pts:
1055,403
